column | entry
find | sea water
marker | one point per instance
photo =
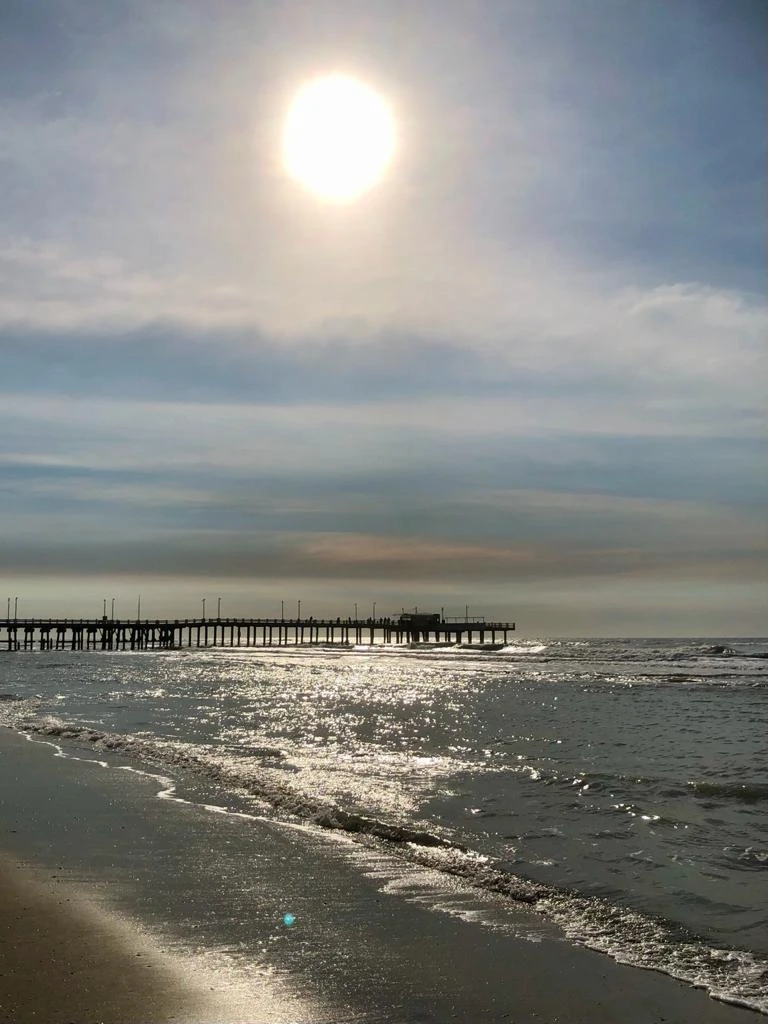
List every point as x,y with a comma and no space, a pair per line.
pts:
617,787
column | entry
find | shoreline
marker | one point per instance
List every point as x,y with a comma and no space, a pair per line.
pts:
362,946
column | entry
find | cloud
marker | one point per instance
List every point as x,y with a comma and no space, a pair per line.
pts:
672,359
499,302
365,557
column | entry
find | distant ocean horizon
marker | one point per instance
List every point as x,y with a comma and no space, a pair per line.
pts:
618,787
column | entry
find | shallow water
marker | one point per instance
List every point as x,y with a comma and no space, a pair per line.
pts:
621,787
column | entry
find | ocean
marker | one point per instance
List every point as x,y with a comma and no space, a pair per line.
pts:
617,788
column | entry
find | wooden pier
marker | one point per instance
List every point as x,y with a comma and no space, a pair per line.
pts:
152,634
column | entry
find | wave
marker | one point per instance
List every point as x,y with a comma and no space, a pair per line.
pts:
747,792
748,857
723,650
731,975
258,783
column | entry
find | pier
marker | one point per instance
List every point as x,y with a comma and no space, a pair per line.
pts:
106,634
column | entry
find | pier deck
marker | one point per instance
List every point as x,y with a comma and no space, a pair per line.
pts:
151,634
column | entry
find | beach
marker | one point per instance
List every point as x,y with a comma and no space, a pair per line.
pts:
59,960
111,872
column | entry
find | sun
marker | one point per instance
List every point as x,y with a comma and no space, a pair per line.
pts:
338,138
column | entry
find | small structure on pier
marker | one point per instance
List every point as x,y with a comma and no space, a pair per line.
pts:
420,625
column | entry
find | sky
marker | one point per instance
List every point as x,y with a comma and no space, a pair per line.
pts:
525,373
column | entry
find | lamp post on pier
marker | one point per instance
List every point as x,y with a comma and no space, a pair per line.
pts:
282,610
218,609
203,600
298,611
113,609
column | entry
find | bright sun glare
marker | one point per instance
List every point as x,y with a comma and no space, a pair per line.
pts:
339,138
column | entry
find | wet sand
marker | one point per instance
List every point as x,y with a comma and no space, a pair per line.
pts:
61,962
363,950
65,960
